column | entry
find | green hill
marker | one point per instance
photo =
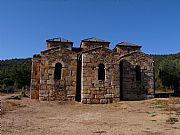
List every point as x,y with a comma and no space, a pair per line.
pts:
15,74
167,72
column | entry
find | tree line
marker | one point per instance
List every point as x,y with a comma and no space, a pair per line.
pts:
167,72
15,74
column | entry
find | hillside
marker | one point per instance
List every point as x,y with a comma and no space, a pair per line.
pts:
15,74
167,72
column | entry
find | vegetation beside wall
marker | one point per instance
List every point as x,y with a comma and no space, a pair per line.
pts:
15,74
167,72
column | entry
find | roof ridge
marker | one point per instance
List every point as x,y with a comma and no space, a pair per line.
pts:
122,56
60,39
124,43
94,39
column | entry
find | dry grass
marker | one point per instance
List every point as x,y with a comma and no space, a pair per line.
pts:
167,103
27,116
172,106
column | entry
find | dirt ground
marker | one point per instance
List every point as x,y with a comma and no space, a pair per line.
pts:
31,117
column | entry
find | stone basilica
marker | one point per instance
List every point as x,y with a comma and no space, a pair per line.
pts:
92,73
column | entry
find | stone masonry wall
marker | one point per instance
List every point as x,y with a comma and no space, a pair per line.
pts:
131,88
91,45
120,81
109,90
94,90
65,88
35,77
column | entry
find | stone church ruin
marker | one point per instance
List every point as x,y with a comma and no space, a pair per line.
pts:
92,73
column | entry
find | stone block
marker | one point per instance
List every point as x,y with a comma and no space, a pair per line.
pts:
86,96
108,95
116,99
50,82
102,92
108,91
86,91
34,94
74,58
70,97
84,101
95,101
103,101
88,101
110,100
99,96
94,92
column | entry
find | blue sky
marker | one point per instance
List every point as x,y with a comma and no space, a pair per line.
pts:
26,24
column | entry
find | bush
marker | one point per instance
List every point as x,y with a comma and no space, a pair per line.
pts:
8,89
172,120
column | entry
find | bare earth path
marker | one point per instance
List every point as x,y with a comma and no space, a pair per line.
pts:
31,117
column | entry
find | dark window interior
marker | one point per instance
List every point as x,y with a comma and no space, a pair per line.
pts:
138,73
58,70
101,72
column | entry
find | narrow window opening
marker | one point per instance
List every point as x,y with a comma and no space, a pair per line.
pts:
138,73
101,72
57,71
93,68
